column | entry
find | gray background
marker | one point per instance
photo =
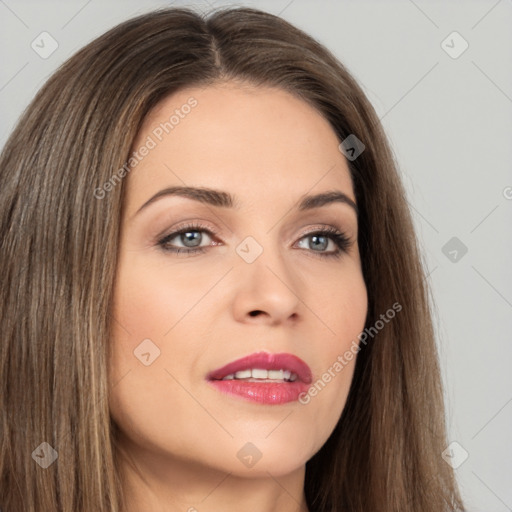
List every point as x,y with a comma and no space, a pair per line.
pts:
449,119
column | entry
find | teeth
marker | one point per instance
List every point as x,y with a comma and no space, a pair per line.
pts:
244,374
275,374
260,374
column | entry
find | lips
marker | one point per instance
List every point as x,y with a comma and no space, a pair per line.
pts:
263,377
265,361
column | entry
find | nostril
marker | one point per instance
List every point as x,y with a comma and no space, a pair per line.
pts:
255,312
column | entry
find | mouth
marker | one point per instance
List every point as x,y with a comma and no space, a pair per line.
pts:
263,378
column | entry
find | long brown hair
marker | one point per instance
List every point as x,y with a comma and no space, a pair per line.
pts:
59,247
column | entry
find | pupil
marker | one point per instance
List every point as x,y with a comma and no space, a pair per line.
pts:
192,236
316,238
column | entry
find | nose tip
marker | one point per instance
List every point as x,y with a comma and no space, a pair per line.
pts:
264,295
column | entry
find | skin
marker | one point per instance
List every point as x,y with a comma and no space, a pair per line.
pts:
180,436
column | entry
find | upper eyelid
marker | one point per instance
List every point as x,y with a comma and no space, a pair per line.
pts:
339,219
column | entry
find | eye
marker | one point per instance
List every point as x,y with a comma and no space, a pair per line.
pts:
191,238
320,241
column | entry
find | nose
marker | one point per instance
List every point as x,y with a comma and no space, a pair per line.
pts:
266,291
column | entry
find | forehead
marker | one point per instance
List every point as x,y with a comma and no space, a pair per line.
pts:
260,143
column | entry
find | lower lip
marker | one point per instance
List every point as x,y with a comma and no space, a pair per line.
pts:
272,393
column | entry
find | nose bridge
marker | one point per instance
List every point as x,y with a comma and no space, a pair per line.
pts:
262,250
266,283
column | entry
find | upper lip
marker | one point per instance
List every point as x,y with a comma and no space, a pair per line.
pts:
265,361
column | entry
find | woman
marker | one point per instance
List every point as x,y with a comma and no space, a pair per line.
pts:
213,295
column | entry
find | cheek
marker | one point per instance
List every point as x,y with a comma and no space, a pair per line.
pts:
153,306
342,307
151,296
340,302
144,398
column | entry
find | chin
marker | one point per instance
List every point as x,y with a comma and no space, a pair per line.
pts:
279,453
276,464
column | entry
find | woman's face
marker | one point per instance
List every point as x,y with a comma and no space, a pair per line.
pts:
259,282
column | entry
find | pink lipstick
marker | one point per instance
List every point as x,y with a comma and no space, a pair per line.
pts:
263,378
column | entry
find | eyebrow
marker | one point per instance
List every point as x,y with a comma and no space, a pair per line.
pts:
223,199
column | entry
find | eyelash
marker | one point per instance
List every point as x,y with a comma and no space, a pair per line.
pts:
339,238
